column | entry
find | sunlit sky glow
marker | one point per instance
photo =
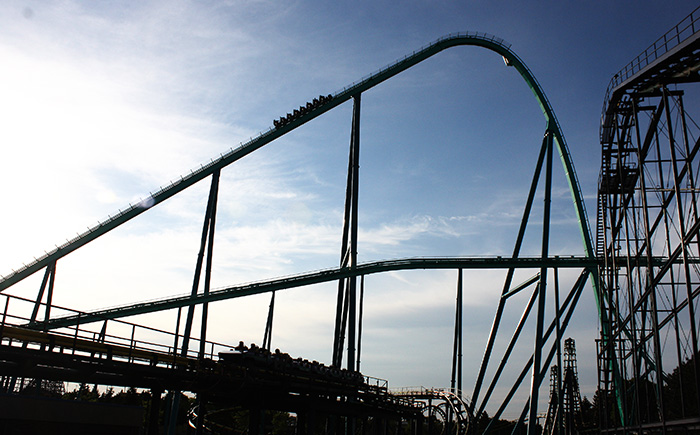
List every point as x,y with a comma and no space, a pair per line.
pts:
104,102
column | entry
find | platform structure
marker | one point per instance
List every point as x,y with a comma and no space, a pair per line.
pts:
648,240
250,378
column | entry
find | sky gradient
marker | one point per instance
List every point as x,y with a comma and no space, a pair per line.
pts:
103,103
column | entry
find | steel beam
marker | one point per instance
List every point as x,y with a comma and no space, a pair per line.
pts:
537,360
317,278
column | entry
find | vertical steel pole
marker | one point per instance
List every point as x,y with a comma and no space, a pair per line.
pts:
200,260
48,277
49,295
352,280
339,335
207,230
694,203
214,195
686,267
267,338
177,333
103,332
559,388
359,321
154,411
349,222
456,380
636,231
40,296
459,347
4,318
537,360
648,237
352,288
509,349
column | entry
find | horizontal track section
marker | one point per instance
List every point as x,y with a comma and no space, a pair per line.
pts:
316,278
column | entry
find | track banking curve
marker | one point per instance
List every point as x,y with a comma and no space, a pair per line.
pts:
483,40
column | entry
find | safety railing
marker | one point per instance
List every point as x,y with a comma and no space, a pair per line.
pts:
392,65
674,37
124,340
414,391
377,384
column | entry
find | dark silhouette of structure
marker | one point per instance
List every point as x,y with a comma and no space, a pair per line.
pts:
76,346
564,411
644,273
647,239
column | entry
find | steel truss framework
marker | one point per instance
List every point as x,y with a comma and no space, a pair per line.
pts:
445,411
347,333
648,208
564,412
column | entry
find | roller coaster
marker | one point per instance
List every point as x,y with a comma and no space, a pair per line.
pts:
645,252
647,207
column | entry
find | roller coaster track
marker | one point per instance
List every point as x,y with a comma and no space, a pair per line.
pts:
314,278
453,407
473,39
322,276
645,135
553,137
673,58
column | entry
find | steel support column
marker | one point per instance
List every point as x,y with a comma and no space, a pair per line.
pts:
688,278
509,349
207,234
565,314
537,360
346,309
359,321
509,278
456,380
267,337
49,279
207,239
559,422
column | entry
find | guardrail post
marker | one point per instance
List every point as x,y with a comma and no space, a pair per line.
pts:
132,344
75,336
4,316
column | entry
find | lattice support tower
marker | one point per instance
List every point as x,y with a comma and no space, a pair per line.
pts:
647,239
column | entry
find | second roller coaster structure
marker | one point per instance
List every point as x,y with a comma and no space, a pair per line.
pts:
648,239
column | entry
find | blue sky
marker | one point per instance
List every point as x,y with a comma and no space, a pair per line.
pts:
102,103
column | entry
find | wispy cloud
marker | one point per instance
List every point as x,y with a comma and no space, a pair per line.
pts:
104,103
